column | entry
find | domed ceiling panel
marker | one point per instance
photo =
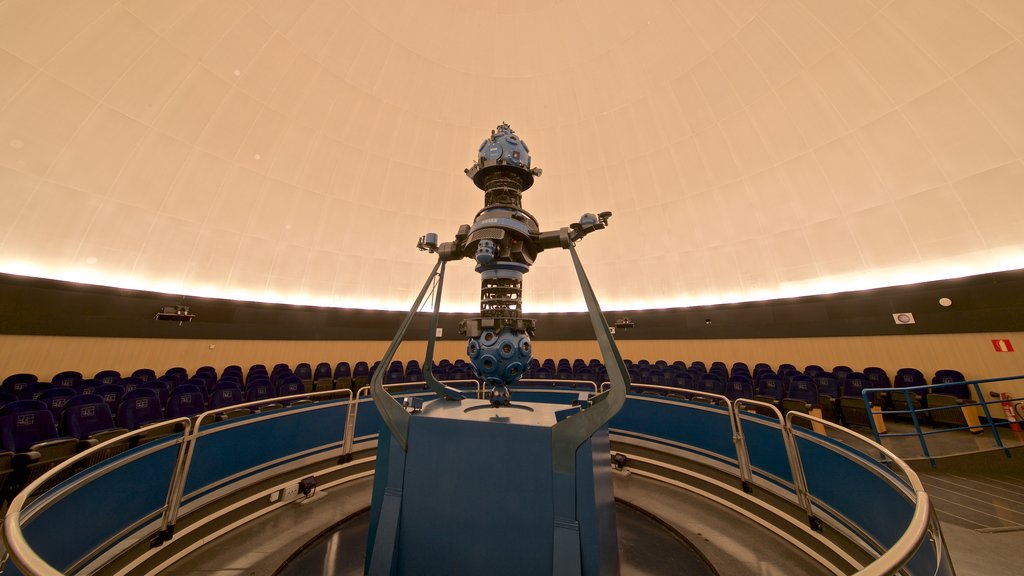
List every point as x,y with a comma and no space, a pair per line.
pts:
295,151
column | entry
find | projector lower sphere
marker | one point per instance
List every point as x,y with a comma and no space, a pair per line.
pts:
500,357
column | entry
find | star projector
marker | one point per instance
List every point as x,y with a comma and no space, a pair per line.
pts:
458,469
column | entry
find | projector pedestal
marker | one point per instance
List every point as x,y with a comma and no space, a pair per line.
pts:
477,493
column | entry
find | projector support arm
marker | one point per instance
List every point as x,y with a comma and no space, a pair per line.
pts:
567,435
391,411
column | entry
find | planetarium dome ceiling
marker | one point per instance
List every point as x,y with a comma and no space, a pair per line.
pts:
294,151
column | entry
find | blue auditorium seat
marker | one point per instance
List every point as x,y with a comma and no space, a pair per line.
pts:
343,376
224,395
770,389
413,374
851,403
206,370
305,373
945,402
33,390
906,378
840,372
186,401
108,377
739,387
16,383
86,386
27,429
291,388
111,394
88,419
130,383
161,388
55,400
829,391
323,379
712,384
802,395
360,375
395,374
812,370
144,374
138,408
66,379
259,391
5,399
178,373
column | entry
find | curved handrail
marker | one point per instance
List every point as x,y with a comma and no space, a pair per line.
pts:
888,562
904,549
21,553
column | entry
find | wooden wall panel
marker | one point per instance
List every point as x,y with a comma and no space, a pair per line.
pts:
973,354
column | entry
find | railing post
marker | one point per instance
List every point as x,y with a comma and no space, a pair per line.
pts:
350,423
796,468
742,454
176,488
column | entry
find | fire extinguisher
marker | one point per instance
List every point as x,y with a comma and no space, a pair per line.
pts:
1008,409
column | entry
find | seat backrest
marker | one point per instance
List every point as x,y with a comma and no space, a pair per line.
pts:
854,383
87,417
6,398
942,376
839,372
260,391
16,383
86,386
33,390
804,390
108,376
322,371
360,369
19,406
138,409
290,388
713,384
144,374
56,399
186,400
682,379
111,394
772,388
304,371
66,379
877,377
961,391
739,388
24,429
131,383
908,377
812,369
84,399
161,388
224,396
179,371
827,385
342,370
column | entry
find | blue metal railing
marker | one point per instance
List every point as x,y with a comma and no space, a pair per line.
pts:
915,414
723,429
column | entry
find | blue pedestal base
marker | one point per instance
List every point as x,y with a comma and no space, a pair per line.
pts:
476,493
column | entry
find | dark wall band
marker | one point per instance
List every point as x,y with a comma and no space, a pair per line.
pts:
985,303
